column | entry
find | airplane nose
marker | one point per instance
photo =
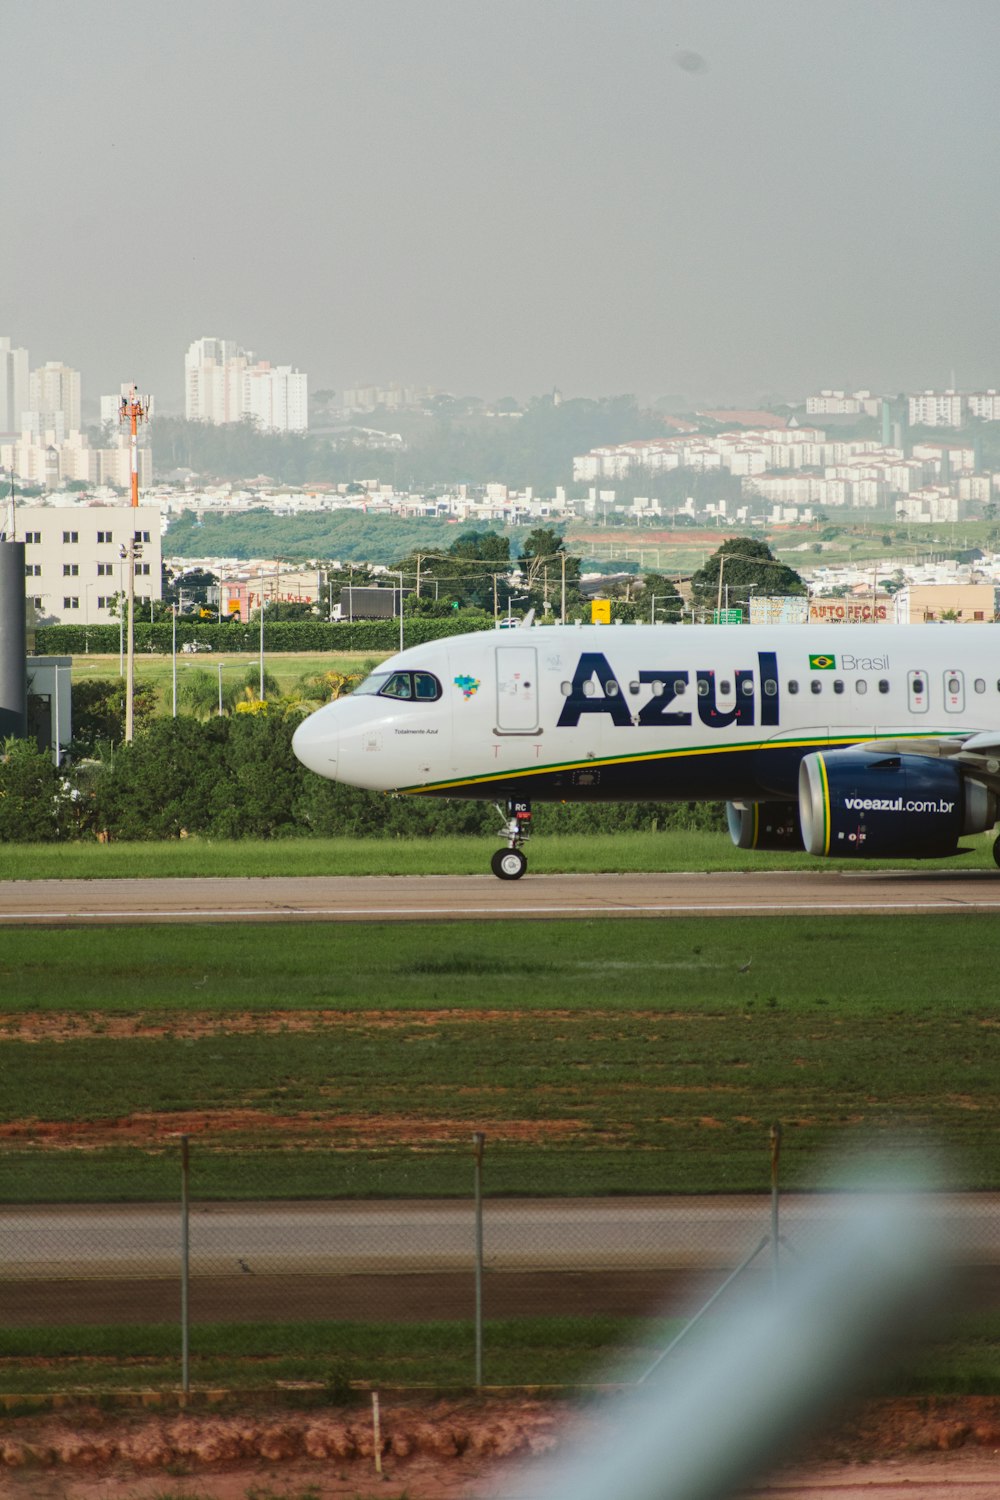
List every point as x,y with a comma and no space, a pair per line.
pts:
315,744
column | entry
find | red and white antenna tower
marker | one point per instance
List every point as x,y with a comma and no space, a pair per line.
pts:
134,409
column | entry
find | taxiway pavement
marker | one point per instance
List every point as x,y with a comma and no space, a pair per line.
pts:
399,898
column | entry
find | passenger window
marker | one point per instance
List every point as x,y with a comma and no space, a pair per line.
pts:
680,686
747,687
702,688
657,687
770,688
588,688
610,688
793,686
566,688
883,684
861,686
954,686
816,686
980,685
427,687
838,686
398,686
633,687
918,684
725,687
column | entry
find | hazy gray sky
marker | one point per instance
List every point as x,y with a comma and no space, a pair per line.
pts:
718,198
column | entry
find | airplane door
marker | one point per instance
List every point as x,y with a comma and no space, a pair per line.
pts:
517,690
954,691
916,688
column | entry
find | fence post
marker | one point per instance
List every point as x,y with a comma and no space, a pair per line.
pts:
185,1270
775,1154
478,1144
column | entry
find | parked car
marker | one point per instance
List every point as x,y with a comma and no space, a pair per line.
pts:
191,647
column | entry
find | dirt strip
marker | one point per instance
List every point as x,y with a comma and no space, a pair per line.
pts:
452,1450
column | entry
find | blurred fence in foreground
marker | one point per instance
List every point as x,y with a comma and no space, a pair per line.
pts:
458,1291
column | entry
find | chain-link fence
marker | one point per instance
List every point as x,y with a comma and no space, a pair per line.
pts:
463,1291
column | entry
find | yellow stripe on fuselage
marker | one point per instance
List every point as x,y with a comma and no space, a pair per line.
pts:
696,750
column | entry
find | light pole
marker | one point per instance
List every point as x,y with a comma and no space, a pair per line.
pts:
400,611
261,694
173,655
220,665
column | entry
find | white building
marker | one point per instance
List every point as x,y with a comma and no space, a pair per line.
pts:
225,383
51,460
985,405
53,394
13,386
840,404
277,398
73,564
935,409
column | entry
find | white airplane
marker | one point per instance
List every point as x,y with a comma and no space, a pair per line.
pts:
859,741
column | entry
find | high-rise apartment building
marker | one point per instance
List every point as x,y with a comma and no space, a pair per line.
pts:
13,386
935,409
54,393
225,383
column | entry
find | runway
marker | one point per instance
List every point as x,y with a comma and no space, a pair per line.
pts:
388,898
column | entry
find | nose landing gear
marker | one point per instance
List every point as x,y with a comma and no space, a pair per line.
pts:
511,863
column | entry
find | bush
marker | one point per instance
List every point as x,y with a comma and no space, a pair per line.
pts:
282,635
36,804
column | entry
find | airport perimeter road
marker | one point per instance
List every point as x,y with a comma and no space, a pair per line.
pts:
388,898
401,1237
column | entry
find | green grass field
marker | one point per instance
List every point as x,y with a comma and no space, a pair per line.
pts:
664,850
598,1056
287,667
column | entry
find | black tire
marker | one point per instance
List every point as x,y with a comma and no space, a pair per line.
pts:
509,864
996,850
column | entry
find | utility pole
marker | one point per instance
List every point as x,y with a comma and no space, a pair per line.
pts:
134,409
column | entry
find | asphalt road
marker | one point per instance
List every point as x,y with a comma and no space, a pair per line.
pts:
482,897
402,1237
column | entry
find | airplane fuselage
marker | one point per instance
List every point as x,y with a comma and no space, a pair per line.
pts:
598,713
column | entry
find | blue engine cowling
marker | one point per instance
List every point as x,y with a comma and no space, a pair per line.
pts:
862,805
764,825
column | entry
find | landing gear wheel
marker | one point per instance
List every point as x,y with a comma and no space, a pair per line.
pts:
996,850
509,864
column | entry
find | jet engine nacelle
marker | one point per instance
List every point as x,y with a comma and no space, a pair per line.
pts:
764,825
862,805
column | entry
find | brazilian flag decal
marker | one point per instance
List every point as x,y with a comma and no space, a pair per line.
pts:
822,663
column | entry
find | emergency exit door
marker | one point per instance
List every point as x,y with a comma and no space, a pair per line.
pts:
517,690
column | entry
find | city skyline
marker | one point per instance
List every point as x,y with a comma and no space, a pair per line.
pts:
689,199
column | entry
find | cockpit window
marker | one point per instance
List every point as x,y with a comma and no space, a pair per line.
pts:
403,686
373,684
400,685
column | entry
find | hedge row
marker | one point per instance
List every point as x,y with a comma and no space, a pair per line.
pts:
238,778
282,635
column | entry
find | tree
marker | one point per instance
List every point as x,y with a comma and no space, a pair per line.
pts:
665,604
35,806
99,711
750,566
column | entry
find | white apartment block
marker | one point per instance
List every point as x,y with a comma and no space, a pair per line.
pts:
73,564
54,392
50,461
13,386
224,383
935,409
277,398
840,404
985,405
932,504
